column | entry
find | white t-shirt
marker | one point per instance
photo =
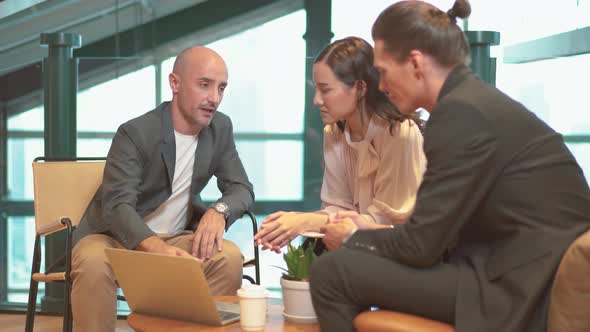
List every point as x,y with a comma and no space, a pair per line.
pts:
172,216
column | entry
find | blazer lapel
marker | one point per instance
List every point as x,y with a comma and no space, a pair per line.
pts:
203,156
168,145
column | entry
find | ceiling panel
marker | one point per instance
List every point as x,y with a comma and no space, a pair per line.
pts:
94,20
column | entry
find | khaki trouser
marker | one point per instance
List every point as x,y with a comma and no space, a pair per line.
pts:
94,299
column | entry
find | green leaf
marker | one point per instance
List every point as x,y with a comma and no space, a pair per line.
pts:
299,261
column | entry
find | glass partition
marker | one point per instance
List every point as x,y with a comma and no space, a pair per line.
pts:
271,181
356,18
526,20
116,91
23,142
554,89
582,153
19,255
112,91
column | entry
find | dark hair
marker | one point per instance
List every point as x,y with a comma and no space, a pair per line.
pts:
351,60
417,25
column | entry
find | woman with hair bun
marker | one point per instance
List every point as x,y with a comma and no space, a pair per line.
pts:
501,199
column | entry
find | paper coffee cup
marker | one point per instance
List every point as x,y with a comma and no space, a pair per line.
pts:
252,307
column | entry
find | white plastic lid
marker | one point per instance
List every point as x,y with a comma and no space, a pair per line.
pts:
252,290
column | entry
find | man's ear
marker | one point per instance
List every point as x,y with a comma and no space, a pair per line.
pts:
416,60
174,82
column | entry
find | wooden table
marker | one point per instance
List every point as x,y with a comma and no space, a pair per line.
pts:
274,322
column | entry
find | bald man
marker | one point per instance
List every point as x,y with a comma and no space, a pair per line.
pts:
150,199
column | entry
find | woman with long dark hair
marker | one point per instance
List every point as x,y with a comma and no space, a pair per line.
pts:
372,152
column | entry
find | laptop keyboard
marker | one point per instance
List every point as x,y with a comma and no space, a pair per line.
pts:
228,307
227,310
225,315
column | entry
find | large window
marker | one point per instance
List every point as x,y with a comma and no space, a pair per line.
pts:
356,18
526,20
104,107
100,110
553,89
21,236
265,100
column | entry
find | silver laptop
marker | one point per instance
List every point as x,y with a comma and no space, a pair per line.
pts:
168,286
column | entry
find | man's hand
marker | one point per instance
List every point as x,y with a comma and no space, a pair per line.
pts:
353,216
209,234
155,245
336,232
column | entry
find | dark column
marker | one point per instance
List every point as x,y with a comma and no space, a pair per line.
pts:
481,62
318,35
3,192
3,151
60,87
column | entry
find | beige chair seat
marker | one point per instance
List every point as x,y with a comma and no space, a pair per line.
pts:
569,309
391,321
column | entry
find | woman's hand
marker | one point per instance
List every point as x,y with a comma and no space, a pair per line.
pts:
280,228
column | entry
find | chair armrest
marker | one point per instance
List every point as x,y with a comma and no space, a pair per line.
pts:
256,260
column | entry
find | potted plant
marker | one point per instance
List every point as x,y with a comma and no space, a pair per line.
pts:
295,284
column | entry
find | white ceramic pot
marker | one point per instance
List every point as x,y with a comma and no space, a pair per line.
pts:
297,301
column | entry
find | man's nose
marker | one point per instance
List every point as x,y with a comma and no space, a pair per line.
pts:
214,97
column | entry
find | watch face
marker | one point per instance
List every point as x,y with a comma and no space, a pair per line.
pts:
221,207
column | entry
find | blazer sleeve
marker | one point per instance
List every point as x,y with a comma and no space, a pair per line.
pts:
121,180
459,147
401,166
236,190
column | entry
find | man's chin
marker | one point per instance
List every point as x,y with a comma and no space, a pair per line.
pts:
404,109
205,122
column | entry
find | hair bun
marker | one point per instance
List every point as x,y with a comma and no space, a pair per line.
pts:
461,9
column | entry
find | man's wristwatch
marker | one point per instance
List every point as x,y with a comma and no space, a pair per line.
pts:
221,208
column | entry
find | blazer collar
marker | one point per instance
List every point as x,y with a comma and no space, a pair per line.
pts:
457,75
167,127
204,151
168,142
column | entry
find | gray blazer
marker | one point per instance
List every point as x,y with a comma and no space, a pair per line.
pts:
502,195
139,172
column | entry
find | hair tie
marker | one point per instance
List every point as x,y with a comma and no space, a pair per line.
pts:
452,16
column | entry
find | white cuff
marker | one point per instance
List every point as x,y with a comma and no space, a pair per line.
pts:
347,237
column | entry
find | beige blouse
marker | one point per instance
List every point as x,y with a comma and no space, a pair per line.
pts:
377,177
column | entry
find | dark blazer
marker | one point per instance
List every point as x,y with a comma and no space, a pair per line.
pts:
139,172
502,195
